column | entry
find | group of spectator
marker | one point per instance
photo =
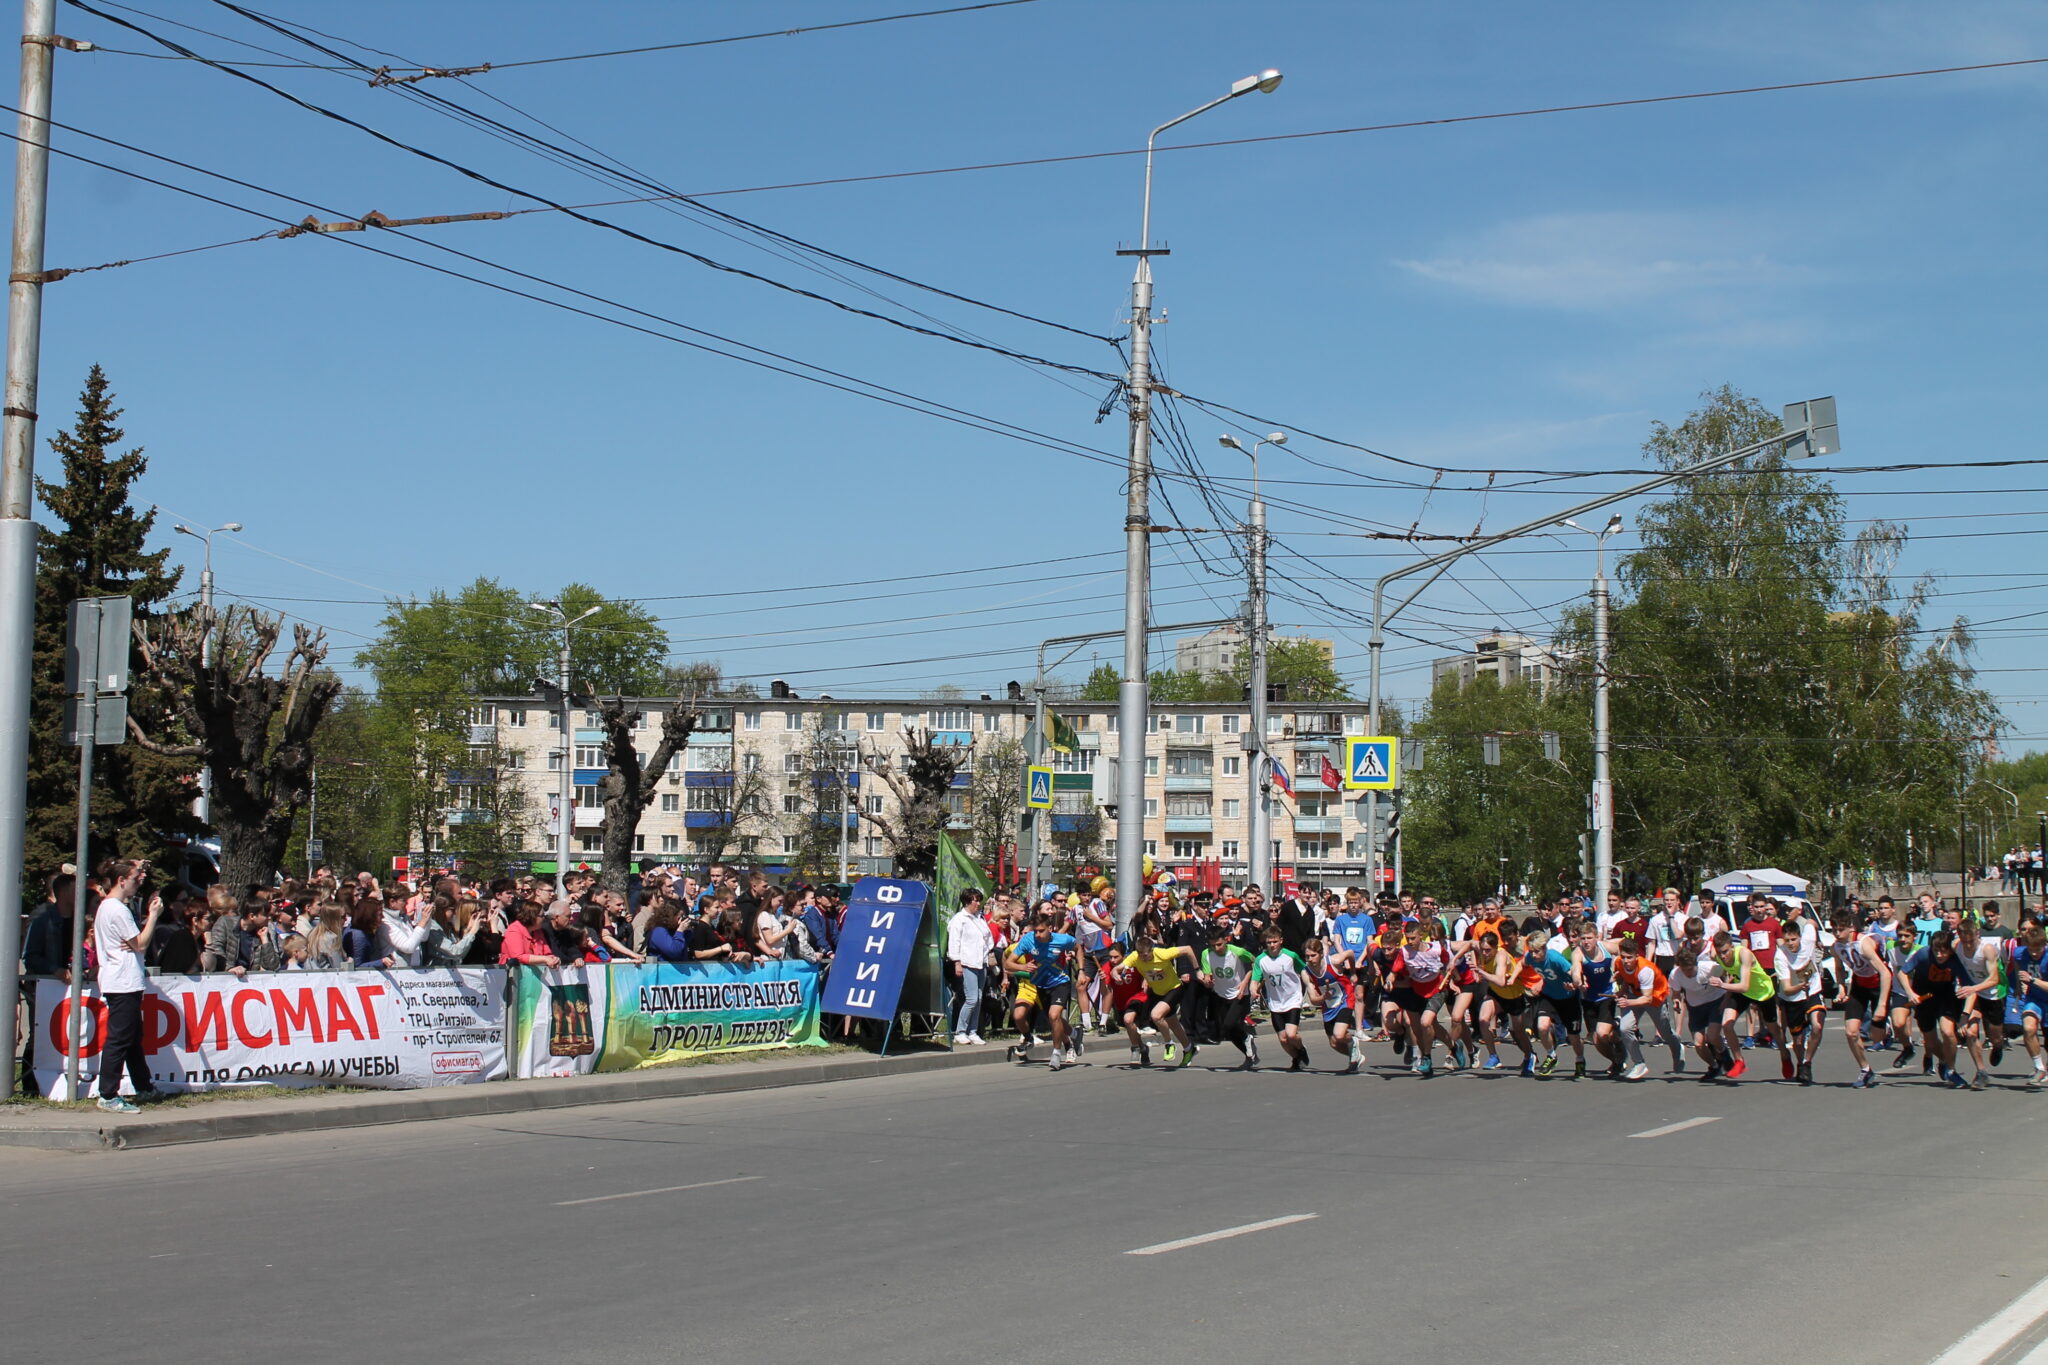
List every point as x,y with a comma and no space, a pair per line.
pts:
330,923
2022,870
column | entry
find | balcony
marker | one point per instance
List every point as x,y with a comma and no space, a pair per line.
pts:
590,736
1069,824
828,821
589,817
1314,744
701,819
1194,824
590,777
483,734
471,777
1318,824
1090,739
470,817
1073,782
1190,782
1176,739
706,779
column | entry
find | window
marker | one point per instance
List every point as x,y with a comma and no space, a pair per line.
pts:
1308,765
675,761
513,761
1315,848
709,798
554,760
950,719
789,842
872,805
1233,766
590,756
832,720
1276,725
1152,765
1151,808
671,802
1151,848
792,763
1109,848
750,762
1231,724
750,804
554,720
1113,722
751,720
1162,723
1186,765
483,715
593,720
711,758
1354,725
586,797
1190,725
671,843
877,720
1187,848
792,720
903,763
1229,850
639,843
1308,803
990,722
591,843
792,805
1188,803
512,715
1230,809
639,720
1079,761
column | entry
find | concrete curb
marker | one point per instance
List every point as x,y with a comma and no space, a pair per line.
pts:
91,1132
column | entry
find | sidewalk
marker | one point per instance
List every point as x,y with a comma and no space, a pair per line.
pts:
86,1129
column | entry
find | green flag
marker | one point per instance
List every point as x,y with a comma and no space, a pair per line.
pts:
1062,736
956,872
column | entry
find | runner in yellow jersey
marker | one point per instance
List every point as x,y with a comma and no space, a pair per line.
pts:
1164,970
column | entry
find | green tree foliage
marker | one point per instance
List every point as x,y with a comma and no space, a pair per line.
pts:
1777,698
96,548
1462,815
1301,666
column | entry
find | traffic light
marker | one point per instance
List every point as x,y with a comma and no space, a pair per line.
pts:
1394,819
1585,859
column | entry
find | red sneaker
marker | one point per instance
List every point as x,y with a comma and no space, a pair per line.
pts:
1735,1072
1785,1061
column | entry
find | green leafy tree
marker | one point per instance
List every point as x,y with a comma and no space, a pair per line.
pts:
923,788
359,821
1302,666
824,799
97,548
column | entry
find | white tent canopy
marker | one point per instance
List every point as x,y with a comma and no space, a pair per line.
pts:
1770,880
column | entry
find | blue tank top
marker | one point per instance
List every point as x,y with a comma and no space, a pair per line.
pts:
2025,959
1599,977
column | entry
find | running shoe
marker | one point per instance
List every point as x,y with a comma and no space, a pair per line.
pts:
1528,1066
1927,1065
1956,1081
1351,1069
1614,1069
1144,1053
1020,1053
1187,1054
1736,1071
1637,1072
1056,1061
1171,1048
1356,1055
1979,1082
2035,1081
1250,1063
1712,1073
1864,1081
1678,1065
1806,1073
1425,1068
1300,1063
1579,1069
1459,1056
1547,1065
1905,1055
1492,1062
1785,1064
1251,1050
1997,1053
116,1105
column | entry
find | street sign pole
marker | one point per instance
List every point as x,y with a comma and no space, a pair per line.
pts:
95,662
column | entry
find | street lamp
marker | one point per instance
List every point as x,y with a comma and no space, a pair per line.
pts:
1808,428
1603,738
846,752
1259,802
1133,690
567,793
202,805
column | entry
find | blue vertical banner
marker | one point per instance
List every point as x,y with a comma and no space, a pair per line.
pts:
875,943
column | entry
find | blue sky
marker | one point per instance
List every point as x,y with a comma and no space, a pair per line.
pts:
1526,292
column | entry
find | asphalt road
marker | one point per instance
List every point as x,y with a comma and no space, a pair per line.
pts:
985,1215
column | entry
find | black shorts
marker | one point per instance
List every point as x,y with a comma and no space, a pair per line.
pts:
1056,997
1342,1017
1509,1006
1795,1015
1700,1018
1993,1011
1597,1011
1284,1018
1862,1003
1146,1003
1564,1012
1666,965
1941,1007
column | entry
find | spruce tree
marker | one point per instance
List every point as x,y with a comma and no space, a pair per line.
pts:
94,545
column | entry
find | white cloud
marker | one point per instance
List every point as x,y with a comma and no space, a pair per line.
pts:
1601,262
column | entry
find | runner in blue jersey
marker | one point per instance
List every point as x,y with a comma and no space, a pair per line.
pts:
1595,968
2029,967
1557,1004
1044,959
1330,991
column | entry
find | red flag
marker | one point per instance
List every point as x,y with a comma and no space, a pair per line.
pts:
1280,778
1332,779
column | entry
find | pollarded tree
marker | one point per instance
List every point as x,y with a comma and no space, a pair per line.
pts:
631,783
254,729
920,787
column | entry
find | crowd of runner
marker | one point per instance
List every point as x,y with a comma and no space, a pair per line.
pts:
1483,987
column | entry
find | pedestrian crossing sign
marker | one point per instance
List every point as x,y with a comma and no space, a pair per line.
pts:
1038,787
1370,763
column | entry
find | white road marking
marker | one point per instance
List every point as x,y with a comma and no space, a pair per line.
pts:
666,1189
2037,1356
1219,1236
1677,1127
1999,1330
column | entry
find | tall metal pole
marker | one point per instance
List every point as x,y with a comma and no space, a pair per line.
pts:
1603,739
203,807
312,816
1134,689
1032,753
568,783
88,722
839,752
17,492
1260,807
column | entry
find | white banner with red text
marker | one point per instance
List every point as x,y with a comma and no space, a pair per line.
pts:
381,1030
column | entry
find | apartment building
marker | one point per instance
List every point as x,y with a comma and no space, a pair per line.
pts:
740,784
1504,657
